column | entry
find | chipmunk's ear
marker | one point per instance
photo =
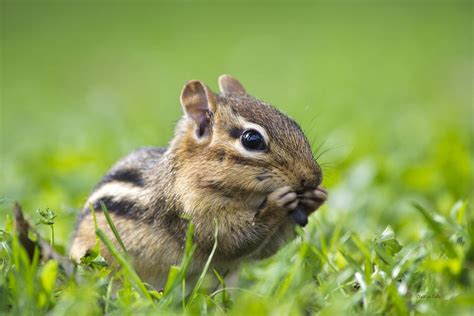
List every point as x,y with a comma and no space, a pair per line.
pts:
199,104
231,86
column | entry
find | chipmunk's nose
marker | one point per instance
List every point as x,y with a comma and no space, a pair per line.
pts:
312,181
309,183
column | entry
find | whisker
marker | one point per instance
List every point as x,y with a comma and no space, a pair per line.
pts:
319,147
329,149
311,125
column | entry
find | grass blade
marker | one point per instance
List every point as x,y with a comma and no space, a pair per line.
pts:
129,270
206,267
112,226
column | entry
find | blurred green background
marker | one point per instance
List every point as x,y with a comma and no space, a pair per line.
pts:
384,87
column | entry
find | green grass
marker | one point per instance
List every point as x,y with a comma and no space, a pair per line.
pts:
382,89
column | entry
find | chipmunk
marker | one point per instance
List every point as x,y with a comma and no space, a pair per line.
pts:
234,161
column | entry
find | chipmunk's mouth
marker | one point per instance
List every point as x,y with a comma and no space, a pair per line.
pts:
309,202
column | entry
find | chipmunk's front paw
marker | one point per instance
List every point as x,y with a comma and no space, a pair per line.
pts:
279,202
312,200
283,198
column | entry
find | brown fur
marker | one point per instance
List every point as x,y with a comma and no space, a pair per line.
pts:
205,176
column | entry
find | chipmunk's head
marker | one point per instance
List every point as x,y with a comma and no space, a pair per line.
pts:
231,143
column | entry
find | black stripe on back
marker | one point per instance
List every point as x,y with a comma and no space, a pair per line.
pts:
126,208
132,176
170,220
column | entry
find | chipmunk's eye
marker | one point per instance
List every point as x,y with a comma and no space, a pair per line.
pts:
253,140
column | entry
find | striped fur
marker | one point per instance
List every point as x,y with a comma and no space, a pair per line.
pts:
206,176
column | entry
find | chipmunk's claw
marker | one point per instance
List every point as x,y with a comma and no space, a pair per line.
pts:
312,200
284,198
